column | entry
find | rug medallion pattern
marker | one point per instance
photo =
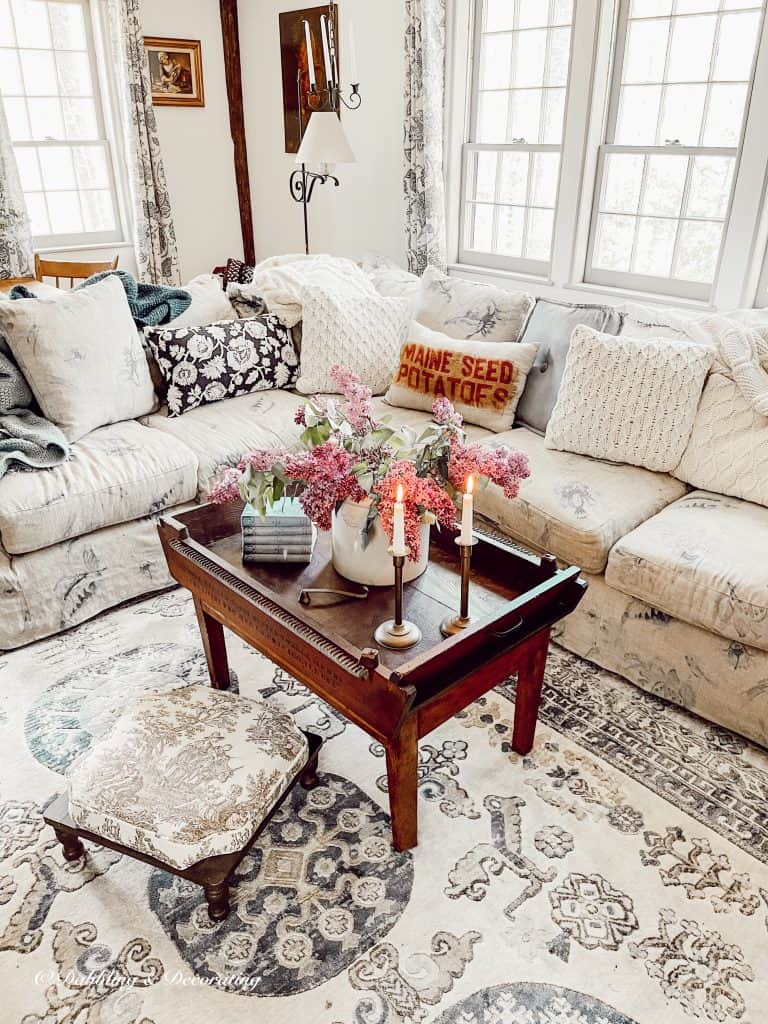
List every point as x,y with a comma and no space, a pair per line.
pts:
618,874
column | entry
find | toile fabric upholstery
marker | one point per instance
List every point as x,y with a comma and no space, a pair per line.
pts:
702,560
186,774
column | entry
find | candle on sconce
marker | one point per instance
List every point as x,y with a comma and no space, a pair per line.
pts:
310,54
467,513
399,550
351,55
327,63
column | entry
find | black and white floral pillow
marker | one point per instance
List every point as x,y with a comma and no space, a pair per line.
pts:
222,360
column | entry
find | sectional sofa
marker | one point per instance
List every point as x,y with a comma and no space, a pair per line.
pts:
678,595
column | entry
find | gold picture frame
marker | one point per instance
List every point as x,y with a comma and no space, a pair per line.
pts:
175,71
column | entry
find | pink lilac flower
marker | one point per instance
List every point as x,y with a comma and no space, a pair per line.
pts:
444,413
261,460
227,489
420,494
359,409
326,472
300,416
500,465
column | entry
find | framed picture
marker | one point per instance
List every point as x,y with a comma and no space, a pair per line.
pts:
294,59
175,72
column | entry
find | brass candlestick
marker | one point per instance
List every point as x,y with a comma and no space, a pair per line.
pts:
395,632
453,624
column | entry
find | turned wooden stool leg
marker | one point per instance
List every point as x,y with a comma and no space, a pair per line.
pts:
217,894
308,777
72,847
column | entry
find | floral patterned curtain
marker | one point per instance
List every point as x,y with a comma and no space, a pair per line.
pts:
154,235
16,257
424,97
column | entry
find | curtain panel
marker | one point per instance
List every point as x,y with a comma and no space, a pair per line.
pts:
424,182
16,257
150,216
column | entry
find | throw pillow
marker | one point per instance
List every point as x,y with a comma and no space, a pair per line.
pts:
360,331
728,449
233,357
550,326
237,272
210,303
390,279
483,379
464,309
628,400
81,356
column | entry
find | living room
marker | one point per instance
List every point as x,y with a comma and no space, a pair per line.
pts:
383,511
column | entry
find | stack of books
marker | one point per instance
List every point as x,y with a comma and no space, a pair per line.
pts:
285,534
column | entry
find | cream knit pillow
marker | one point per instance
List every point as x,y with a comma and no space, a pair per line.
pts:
628,399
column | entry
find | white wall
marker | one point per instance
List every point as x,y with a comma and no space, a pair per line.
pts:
366,212
196,143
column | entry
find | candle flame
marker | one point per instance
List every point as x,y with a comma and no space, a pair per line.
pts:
400,493
470,484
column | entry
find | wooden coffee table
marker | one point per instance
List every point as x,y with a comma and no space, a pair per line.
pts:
395,696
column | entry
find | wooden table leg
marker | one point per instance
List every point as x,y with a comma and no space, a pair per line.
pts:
402,782
212,633
530,679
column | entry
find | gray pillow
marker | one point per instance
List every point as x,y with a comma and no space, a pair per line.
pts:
550,326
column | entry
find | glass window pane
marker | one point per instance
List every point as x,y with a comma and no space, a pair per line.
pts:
499,15
638,115
613,244
554,113
38,213
562,12
696,6
710,186
650,8
736,46
645,51
485,175
80,118
58,169
481,227
18,122
67,26
64,212
492,117
45,118
525,115
514,178
510,234
530,57
682,111
559,54
698,250
538,239
7,37
691,51
29,169
10,74
725,114
655,246
496,61
532,13
31,19
545,171
622,181
39,72
664,185
98,213
74,74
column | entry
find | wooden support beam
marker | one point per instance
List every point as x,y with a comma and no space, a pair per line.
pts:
231,38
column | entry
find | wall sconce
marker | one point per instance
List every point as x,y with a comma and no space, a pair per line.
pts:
324,142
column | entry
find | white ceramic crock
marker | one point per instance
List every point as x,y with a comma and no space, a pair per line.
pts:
370,565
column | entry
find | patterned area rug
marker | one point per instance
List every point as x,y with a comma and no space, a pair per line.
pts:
617,875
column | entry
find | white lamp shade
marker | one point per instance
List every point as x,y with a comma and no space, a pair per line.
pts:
324,141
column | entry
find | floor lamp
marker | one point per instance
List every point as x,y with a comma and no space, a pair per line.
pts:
324,145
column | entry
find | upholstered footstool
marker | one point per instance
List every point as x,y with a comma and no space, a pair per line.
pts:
186,780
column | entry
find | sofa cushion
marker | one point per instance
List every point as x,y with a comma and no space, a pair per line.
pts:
221,434
115,474
702,560
574,506
468,309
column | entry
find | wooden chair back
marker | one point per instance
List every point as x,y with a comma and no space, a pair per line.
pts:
74,270
6,283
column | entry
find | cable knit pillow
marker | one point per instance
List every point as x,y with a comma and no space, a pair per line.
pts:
483,379
465,309
628,399
355,329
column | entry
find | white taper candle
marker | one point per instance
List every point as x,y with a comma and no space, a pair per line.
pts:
310,54
398,526
467,513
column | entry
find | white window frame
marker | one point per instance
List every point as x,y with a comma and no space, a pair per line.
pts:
741,277
85,239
